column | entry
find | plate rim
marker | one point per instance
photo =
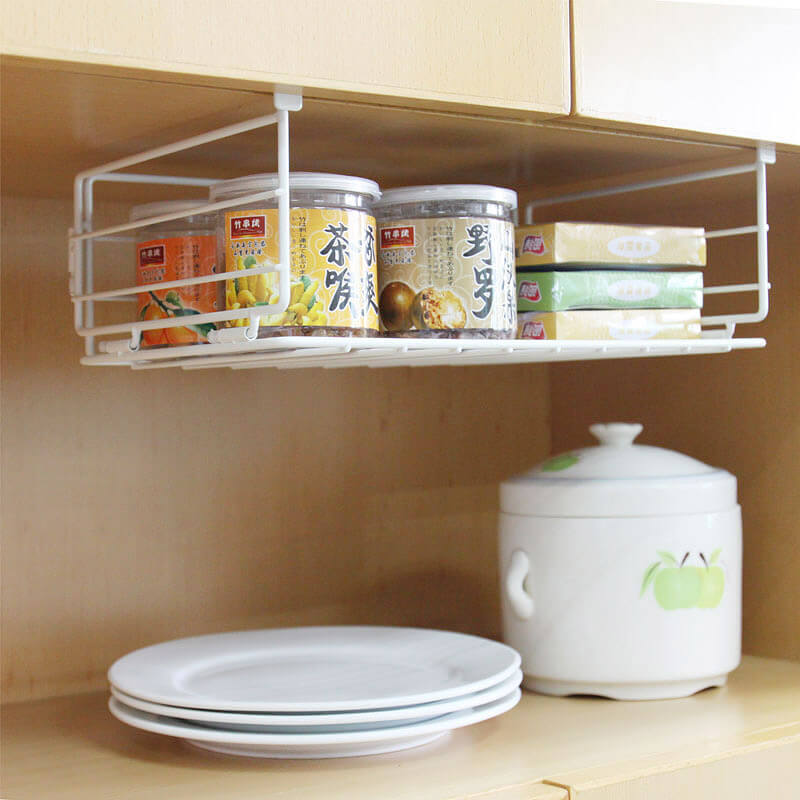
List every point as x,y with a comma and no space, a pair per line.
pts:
209,703
185,730
323,719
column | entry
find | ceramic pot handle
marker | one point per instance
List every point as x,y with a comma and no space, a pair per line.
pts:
518,570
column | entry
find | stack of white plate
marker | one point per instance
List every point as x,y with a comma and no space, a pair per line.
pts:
318,692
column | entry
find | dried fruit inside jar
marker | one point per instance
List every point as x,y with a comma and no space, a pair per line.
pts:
333,285
446,262
172,251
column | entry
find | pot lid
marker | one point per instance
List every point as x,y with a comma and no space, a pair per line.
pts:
618,478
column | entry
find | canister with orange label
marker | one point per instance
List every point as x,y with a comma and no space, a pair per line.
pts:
172,251
332,251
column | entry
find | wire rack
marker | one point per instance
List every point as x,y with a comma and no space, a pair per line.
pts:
240,347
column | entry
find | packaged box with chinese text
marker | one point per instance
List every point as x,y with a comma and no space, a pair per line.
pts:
561,291
582,244
624,324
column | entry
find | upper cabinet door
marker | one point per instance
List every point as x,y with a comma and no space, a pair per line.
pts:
512,54
728,68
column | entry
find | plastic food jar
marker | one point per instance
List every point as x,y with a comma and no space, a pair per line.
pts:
171,251
621,571
446,262
333,264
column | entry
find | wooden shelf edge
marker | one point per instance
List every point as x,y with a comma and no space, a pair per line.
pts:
185,74
70,746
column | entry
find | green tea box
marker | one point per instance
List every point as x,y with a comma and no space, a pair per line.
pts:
606,289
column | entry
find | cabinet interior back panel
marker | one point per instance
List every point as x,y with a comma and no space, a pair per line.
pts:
144,506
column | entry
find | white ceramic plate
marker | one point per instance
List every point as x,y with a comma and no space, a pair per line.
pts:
314,669
318,745
324,723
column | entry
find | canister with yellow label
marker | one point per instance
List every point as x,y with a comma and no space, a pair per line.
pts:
332,252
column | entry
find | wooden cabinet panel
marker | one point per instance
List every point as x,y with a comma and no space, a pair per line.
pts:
764,765
512,54
145,506
722,69
732,742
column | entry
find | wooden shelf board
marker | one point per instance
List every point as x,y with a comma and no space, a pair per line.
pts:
72,747
83,120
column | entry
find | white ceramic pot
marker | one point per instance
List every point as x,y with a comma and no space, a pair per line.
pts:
621,571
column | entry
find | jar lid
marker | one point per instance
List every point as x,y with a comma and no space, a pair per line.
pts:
266,181
163,207
454,191
618,478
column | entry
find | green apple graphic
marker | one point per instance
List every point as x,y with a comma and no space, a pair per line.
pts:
678,585
713,582
557,463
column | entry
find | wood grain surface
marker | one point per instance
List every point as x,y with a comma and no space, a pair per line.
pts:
70,747
512,55
139,507
83,120
719,68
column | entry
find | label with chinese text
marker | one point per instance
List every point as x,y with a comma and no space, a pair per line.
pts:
333,266
447,273
174,259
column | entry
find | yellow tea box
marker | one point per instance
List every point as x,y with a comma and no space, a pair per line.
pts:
623,324
586,244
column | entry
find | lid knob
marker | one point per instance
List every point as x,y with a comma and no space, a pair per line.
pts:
616,434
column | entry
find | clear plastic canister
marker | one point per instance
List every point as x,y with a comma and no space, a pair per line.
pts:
332,254
172,251
446,262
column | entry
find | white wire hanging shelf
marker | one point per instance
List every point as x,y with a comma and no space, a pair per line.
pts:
291,352
240,347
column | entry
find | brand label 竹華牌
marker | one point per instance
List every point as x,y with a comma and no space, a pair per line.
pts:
400,236
153,256
255,225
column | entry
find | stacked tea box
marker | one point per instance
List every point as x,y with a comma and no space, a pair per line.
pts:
580,280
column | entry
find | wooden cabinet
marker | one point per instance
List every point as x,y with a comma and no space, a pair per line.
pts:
513,55
144,506
735,742
731,69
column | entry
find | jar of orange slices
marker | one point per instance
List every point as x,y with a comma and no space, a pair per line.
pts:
171,251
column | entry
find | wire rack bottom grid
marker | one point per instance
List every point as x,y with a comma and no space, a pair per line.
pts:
291,352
